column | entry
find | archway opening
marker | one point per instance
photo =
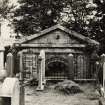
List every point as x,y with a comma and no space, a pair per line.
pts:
56,69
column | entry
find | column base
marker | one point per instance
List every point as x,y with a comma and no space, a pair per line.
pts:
40,88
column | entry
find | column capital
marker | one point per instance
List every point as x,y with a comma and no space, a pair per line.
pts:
70,55
2,49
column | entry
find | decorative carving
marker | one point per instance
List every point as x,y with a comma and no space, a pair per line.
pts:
56,59
57,37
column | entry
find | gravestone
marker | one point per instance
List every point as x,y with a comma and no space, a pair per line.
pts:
10,91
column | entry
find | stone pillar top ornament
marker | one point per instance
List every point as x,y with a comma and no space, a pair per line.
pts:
42,54
1,47
103,55
70,55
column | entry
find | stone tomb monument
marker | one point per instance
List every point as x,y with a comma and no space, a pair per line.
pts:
66,55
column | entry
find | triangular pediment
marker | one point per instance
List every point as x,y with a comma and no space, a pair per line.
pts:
57,35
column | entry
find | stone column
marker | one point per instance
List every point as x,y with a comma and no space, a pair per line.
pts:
1,57
103,68
21,79
41,74
43,65
10,65
71,66
3,73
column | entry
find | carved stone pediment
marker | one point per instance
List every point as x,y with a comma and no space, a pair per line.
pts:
56,36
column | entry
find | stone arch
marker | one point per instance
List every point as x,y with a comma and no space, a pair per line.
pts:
57,67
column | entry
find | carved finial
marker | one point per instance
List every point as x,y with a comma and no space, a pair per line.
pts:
70,54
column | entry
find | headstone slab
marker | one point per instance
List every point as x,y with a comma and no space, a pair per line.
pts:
10,88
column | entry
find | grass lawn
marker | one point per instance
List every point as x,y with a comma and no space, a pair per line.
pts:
50,96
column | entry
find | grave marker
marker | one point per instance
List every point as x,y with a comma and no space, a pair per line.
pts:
10,90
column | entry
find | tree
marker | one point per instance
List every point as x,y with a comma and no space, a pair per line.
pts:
99,25
36,15
80,16
5,10
83,16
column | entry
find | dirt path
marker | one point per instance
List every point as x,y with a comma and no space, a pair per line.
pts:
52,97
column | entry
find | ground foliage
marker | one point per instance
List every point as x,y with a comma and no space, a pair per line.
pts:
50,96
68,87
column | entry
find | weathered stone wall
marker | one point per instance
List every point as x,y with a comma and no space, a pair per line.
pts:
80,64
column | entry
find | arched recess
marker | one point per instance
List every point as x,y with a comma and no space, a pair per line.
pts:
57,68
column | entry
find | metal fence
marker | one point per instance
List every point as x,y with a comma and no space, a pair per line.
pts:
30,65
83,67
56,68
